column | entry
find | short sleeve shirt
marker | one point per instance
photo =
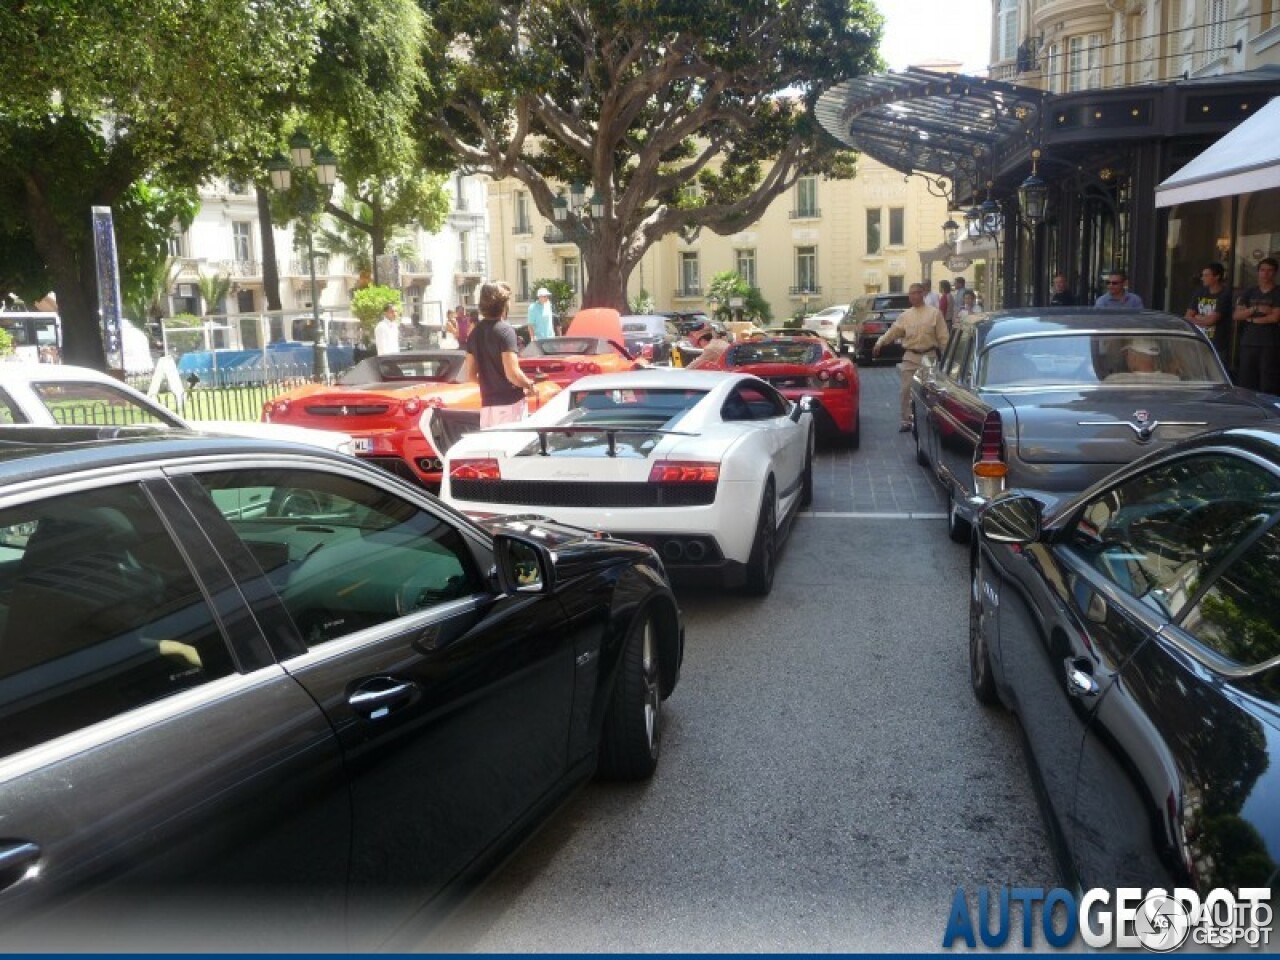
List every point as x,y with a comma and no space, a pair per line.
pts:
489,340
1204,302
1260,334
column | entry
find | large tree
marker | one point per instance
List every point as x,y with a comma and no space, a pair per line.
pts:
102,95
639,99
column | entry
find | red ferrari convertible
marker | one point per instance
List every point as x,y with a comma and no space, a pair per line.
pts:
804,366
592,344
380,402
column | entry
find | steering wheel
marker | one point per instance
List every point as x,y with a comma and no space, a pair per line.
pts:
294,503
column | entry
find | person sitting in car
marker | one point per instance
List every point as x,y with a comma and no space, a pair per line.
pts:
1142,358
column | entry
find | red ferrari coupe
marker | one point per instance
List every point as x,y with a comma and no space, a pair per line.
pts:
380,402
592,344
805,366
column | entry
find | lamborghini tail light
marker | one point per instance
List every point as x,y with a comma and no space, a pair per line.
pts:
479,468
684,471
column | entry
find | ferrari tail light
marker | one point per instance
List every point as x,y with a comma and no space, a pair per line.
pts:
829,379
274,408
684,471
989,456
593,368
412,407
478,468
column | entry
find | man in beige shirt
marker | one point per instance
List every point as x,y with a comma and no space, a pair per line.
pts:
923,332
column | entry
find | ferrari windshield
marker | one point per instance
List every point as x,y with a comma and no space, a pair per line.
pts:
562,347
774,351
1083,360
404,367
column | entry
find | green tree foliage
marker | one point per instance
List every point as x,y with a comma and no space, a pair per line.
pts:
214,289
731,284
368,303
146,301
361,231
638,99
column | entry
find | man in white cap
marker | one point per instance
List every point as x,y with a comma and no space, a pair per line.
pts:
542,321
1142,357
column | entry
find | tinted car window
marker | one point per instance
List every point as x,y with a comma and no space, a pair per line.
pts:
773,351
9,412
1239,615
97,404
751,401
342,554
100,615
1158,534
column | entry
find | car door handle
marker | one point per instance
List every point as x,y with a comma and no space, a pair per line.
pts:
1080,682
378,696
16,858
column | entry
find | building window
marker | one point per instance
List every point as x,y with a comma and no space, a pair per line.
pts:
177,244
746,265
873,231
460,187
807,197
1084,58
807,269
690,274
1215,29
896,283
1053,68
522,280
897,227
1007,27
569,273
241,240
523,224
464,248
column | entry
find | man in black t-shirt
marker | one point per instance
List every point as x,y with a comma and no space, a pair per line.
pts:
1258,309
1210,310
492,360
1061,295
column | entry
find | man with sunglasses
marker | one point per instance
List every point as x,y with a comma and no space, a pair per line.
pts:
1117,296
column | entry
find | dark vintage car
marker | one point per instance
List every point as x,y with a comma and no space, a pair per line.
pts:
263,696
1135,632
1053,399
804,365
868,317
650,336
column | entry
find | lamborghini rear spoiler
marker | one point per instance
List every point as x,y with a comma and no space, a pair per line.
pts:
445,427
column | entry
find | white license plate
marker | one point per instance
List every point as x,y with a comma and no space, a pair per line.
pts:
362,444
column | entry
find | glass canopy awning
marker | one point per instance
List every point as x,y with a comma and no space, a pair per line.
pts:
943,124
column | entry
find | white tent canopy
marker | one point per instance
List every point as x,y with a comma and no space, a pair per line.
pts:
1245,160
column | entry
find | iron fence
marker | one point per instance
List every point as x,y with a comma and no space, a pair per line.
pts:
215,398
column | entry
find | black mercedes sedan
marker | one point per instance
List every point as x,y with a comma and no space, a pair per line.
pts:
1055,398
1135,632
261,696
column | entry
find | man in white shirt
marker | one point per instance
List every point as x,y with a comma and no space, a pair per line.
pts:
386,333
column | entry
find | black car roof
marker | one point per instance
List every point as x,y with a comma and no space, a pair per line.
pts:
32,453
993,327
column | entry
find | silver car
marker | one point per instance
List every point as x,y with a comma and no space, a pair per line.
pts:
1054,399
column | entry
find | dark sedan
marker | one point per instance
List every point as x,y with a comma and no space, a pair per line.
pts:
1135,632
1054,399
261,696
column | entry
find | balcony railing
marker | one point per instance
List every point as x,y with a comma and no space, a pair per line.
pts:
237,268
806,213
687,292
475,267
555,234
414,266
806,290
520,229
300,268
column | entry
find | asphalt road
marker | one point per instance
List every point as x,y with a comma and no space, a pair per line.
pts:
827,779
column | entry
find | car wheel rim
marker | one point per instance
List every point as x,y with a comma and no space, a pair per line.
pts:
953,516
767,548
652,693
977,646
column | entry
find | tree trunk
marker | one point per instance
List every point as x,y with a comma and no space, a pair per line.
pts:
607,272
270,268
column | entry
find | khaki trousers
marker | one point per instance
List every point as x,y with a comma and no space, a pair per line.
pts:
907,371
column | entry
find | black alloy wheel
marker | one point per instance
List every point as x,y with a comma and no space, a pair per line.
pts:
981,680
631,740
764,548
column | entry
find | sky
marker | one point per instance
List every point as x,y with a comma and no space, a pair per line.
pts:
919,30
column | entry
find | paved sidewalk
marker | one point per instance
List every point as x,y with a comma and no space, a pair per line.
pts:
881,477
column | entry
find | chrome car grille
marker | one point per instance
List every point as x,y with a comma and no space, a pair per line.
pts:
347,409
584,493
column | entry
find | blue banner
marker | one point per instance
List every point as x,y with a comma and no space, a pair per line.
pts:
104,247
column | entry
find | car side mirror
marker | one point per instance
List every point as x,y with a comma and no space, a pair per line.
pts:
801,406
523,564
1013,519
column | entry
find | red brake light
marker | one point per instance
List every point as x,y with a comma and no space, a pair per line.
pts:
681,471
989,460
579,367
481,468
412,406
593,368
275,408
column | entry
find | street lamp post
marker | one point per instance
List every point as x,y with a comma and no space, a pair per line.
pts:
318,174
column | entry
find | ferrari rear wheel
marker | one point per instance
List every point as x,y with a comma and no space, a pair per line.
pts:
632,737
764,548
981,681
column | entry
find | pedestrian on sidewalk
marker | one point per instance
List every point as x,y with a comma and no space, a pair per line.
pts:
492,355
923,332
